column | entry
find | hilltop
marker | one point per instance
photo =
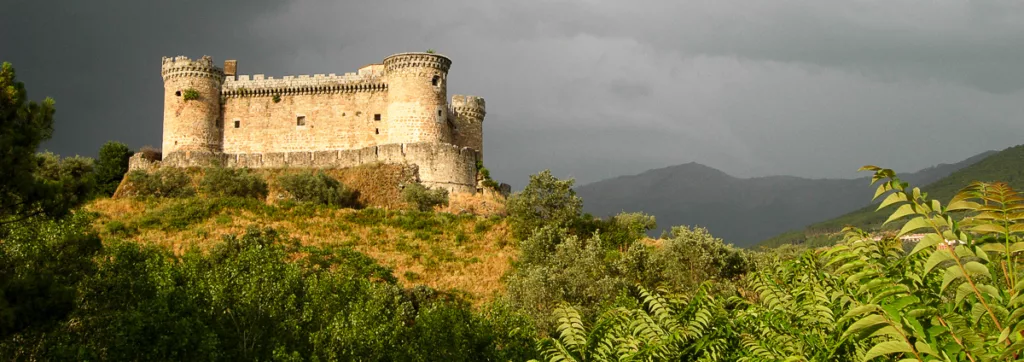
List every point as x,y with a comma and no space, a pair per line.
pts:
443,250
740,210
1005,165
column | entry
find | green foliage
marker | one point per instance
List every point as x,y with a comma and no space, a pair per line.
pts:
23,126
318,188
546,200
485,175
247,300
660,329
41,263
70,181
553,268
186,212
623,229
190,94
276,98
233,182
111,166
422,198
430,51
164,182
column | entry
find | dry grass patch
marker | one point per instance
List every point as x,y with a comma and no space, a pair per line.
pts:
442,250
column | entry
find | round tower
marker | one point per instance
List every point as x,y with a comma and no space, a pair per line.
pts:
192,117
417,95
469,112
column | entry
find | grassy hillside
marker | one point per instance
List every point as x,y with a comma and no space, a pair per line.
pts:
442,250
1006,165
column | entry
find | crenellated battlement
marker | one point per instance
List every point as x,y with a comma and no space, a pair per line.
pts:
469,106
416,60
261,86
182,66
393,112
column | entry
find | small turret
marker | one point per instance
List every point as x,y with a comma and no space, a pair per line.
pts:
468,115
417,95
192,119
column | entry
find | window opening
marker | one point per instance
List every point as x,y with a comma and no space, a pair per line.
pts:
376,117
300,121
238,123
436,80
178,93
376,131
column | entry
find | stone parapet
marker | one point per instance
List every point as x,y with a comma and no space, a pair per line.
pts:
259,85
182,66
417,60
440,165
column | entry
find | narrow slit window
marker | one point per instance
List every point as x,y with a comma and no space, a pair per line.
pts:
376,117
376,131
438,112
300,121
238,123
436,80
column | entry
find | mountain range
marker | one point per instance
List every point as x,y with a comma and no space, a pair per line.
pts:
742,211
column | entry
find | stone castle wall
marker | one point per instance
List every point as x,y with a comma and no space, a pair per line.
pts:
191,124
438,165
395,112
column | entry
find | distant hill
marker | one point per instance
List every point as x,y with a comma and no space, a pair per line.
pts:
1006,165
742,211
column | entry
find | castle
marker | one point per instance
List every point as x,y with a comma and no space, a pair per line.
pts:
393,112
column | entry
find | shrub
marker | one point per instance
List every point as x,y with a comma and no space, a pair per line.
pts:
424,199
220,181
318,188
546,200
190,94
118,228
151,153
111,166
165,182
65,182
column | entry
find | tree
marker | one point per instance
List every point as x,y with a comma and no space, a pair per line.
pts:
546,200
23,126
112,166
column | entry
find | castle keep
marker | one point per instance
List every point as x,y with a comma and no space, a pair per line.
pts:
394,112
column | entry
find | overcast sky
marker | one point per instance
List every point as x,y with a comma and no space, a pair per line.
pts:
589,89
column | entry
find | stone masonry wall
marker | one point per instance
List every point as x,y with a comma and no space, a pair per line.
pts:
331,121
439,165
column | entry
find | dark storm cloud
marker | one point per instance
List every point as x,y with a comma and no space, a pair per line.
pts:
589,89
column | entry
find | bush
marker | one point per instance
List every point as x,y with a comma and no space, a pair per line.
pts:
111,166
41,263
165,182
190,94
546,200
151,153
424,199
65,183
233,182
118,228
318,188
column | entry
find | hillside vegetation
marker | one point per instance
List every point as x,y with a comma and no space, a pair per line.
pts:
442,250
740,210
213,270
1006,165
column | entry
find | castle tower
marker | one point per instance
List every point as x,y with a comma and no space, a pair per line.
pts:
468,114
192,117
417,95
